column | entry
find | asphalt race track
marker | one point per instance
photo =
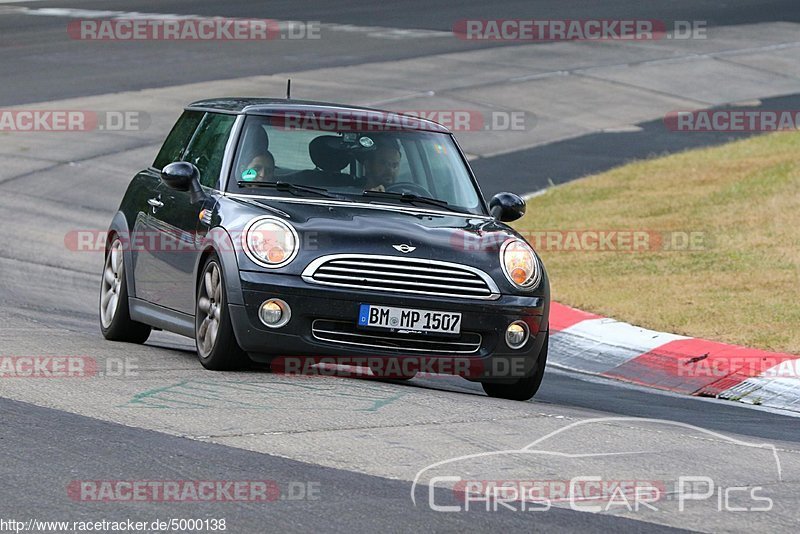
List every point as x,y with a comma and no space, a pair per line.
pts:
344,452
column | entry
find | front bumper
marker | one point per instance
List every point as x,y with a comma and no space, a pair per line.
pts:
313,305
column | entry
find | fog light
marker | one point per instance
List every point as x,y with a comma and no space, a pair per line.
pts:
517,334
274,313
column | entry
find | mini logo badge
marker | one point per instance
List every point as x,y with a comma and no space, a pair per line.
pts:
405,249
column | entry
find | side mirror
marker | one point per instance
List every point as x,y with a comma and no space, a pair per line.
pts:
507,207
183,176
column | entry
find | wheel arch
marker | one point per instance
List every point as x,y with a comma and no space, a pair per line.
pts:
219,242
119,228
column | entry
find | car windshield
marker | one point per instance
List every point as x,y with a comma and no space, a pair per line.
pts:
392,166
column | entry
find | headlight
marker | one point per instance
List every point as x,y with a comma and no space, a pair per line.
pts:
520,264
270,242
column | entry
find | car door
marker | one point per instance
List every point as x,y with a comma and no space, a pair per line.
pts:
179,219
174,220
148,273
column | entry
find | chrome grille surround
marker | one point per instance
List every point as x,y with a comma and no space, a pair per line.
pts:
398,274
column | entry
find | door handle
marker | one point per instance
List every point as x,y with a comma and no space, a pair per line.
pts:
155,203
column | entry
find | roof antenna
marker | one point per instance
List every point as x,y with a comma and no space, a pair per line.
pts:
289,89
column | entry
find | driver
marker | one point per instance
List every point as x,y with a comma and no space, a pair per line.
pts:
261,168
382,166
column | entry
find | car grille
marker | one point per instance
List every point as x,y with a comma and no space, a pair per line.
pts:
347,333
401,275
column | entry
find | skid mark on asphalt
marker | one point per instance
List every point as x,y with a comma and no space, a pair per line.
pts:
203,394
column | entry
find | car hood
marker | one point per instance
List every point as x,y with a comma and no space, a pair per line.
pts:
333,227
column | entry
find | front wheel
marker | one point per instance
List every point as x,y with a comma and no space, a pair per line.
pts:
524,388
216,343
115,317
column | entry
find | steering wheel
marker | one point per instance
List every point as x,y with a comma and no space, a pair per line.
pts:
408,187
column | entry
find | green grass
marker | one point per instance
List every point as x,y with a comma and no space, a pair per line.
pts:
742,286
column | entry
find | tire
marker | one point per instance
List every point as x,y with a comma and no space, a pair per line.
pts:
115,316
525,388
216,344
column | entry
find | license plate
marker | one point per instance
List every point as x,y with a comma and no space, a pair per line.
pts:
409,319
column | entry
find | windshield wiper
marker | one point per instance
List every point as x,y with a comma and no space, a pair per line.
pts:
412,199
294,188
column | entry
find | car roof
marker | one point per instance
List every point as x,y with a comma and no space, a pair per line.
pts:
276,106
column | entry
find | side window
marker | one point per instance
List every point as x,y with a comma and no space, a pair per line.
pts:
178,138
207,148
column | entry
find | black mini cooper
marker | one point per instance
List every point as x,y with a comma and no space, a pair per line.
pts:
273,229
